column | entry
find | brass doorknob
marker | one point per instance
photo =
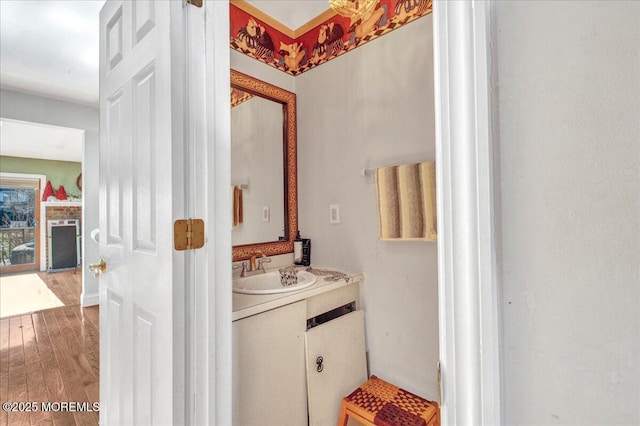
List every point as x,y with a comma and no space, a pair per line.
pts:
98,268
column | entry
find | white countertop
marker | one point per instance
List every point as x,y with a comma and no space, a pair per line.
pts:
245,305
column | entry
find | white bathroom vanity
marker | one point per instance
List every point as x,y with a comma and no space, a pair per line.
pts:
296,354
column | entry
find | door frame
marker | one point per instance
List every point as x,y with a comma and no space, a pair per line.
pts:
467,260
209,298
468,285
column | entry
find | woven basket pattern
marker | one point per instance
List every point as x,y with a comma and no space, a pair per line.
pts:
389,405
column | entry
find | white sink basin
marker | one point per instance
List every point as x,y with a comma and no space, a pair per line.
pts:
269,283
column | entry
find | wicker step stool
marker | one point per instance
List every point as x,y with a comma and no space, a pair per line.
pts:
378,403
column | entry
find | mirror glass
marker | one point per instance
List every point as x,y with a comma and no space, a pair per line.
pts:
257,169
263,167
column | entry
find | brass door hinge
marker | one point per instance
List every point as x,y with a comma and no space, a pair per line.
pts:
188,234
196,3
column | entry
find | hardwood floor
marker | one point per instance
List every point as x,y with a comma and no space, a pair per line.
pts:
67,285
51,356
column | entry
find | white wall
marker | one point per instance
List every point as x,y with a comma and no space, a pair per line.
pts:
25,107
372,107
568,91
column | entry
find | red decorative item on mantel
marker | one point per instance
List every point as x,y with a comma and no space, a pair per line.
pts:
48,191
61,194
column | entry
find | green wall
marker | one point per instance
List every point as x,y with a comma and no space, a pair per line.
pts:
58,172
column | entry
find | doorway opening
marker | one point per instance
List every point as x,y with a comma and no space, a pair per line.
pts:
39,166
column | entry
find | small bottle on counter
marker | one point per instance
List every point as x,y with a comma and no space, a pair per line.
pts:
297,249
306,251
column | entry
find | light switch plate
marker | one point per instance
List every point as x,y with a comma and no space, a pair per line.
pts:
334,213
265,214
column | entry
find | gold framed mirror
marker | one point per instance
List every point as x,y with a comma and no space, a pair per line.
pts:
249,87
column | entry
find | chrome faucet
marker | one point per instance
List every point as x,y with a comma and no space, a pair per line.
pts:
261,263
242,265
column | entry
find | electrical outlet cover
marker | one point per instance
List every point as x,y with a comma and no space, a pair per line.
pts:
334,213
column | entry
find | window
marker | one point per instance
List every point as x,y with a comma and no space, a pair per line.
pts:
19,235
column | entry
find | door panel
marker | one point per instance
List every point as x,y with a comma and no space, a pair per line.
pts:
143,390
145,195
113,171
114,38
111,356
268,368
143,19
336,365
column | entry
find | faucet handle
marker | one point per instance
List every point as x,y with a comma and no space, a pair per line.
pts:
242,265
262,261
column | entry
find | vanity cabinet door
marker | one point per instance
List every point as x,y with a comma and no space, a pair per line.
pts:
336,365
269,368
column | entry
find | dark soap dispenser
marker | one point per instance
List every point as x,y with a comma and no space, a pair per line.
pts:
306,251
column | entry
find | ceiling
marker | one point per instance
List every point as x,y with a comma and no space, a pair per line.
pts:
51,48
292,13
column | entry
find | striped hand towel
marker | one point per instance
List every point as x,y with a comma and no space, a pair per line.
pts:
407,202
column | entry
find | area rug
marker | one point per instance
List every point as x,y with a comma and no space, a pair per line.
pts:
24,293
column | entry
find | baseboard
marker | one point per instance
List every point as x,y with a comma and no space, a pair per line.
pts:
89,299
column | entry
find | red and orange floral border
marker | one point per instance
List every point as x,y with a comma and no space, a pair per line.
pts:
295,54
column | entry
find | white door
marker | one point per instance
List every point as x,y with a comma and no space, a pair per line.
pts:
141,182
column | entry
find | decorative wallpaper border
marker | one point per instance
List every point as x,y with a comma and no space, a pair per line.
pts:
337,35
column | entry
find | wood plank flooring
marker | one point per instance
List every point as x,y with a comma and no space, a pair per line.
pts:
66,285
51,356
